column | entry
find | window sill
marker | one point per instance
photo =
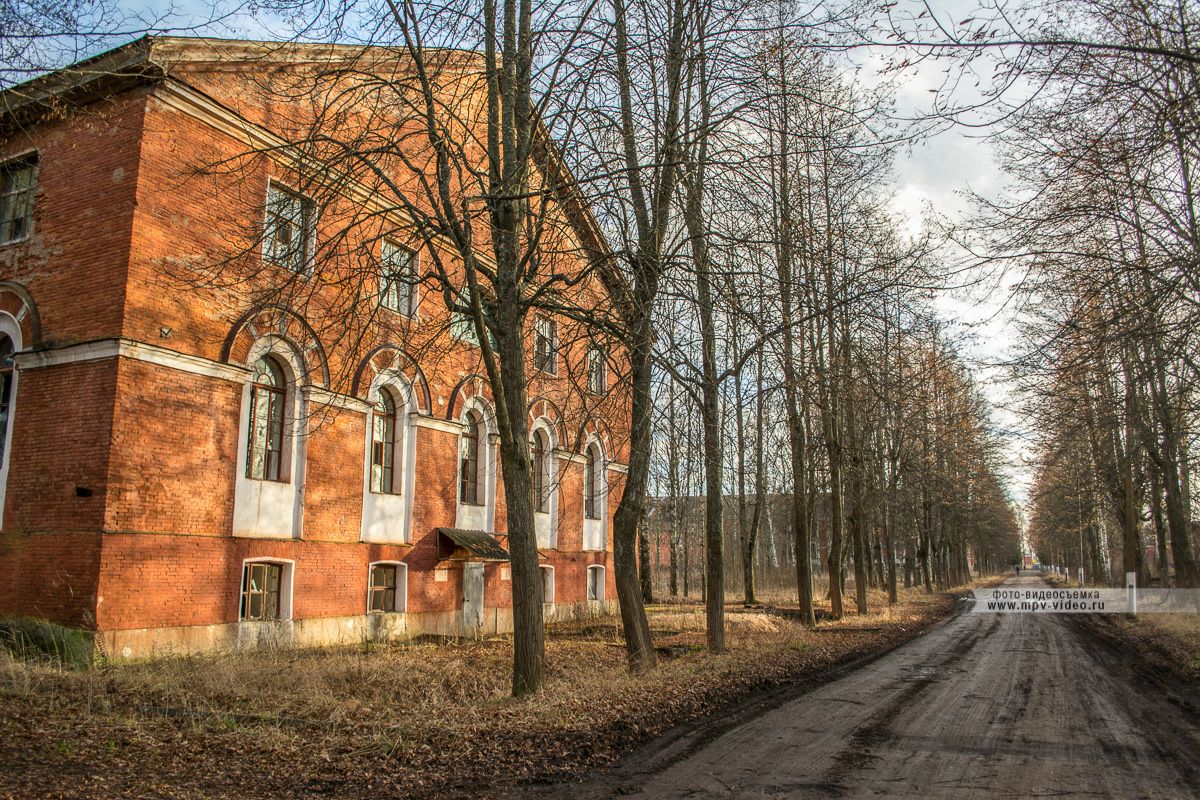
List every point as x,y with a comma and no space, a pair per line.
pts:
407,317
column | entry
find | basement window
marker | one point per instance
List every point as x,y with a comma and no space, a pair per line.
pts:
18,181
386,588
262,591
595,583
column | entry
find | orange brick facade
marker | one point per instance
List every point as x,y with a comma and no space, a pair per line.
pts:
128,422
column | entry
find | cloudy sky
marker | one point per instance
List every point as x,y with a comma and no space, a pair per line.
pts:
939,173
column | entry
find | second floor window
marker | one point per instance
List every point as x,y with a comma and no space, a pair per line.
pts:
18,180
397,279
597,372
468,484
287,239
268,393
545,345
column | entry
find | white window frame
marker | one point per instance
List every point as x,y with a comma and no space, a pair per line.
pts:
403,284
595,583
286,587
273,508
388,517
481,515
545,523
595,529
401,586
307,228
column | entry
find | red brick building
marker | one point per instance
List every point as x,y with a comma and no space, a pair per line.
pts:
183,470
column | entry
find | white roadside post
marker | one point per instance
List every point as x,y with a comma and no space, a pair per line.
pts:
1081,577
1131,591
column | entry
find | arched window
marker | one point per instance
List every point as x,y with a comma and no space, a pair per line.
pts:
597,372
6,389
593,476
468,487
268,396
541,472
383,445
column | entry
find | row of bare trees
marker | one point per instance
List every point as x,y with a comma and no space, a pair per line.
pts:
737,184
1105,158
737,253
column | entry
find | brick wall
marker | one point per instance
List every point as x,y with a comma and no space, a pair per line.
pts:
136,236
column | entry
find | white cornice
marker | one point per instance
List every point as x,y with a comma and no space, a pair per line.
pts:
138,351
436,424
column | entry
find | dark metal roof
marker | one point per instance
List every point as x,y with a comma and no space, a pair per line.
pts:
480,544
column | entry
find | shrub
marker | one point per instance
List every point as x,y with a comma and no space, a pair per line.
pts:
42,640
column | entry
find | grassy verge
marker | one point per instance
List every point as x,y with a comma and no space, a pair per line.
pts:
412,720
1167,643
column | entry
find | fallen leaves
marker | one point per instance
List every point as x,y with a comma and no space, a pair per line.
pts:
414,720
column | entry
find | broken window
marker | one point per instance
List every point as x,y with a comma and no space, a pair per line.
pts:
261,584
597,372
382,591
268,393
18,181
540,456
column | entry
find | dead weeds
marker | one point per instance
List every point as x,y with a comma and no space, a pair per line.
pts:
409,720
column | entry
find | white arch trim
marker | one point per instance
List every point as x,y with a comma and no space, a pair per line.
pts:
273,508
12,329
478,517
595,531
388,517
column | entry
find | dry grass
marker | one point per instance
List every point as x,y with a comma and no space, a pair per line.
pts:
415,719
1172,641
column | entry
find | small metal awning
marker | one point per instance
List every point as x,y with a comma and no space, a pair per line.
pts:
461,544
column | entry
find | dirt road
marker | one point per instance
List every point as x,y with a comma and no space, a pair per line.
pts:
983,706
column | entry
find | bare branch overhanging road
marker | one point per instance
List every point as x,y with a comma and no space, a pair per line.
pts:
982,706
